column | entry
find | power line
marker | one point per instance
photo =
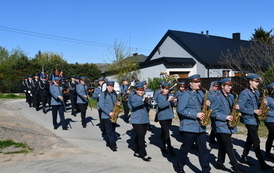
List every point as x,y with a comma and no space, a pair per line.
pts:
60,38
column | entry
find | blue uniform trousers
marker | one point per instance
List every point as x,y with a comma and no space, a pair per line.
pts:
253,139
188,139
226,146
140,146
270,137
55,109
83,110
110,132
165,126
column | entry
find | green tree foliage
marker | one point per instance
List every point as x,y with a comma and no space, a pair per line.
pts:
263,36
14,65
123,65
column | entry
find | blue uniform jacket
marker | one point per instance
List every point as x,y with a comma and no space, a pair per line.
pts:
221,106
189,104
165,110
55,91
81,91
212,94
270,114
249,102
139,114
106,103
123,89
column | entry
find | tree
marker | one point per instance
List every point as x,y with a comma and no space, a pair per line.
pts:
261,35
123,65
257,58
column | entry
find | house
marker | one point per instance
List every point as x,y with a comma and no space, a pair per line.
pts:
186,53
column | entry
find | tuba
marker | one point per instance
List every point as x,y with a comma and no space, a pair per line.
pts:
263,107
235,113
205,109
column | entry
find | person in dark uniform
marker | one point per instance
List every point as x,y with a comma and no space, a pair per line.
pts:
57,104
269,121
96,96
222,105
249,107
139,120
107,102
82,99
29,86
190,107
72,94
176,95
44,92
24,85
213,91
36,92
124,91
165,116
65,91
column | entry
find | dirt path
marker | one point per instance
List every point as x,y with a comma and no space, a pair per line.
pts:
44,143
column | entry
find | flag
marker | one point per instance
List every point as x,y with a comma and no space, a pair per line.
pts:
42,74
57,71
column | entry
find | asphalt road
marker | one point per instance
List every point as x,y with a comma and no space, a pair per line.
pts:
99,158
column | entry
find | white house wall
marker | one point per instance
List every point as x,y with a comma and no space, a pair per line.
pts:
151,72
170,48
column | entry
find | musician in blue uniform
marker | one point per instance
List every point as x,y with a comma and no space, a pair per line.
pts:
73,95
190,107
165,116
269,121
139,120
222,105
155,94
249,100
124,91
177,93
96,95
213,91
57,104
107,102
82,99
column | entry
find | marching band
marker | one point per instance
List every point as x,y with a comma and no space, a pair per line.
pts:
189,102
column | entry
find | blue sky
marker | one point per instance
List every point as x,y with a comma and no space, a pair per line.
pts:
139,24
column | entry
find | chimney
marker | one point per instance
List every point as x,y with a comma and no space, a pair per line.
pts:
207,32
202,32
236,36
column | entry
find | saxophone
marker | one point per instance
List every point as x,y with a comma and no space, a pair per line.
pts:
117,109
263,107
205,110
235,113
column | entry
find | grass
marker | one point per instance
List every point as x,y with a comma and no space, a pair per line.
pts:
11,96
262,132
10,143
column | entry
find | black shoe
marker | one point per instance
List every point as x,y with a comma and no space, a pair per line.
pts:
114,148
245,161
222,167
147,159
65,128
269,156
55,128
265,167
84,126
237,170
180,171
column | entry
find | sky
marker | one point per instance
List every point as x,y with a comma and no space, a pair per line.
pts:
85,31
